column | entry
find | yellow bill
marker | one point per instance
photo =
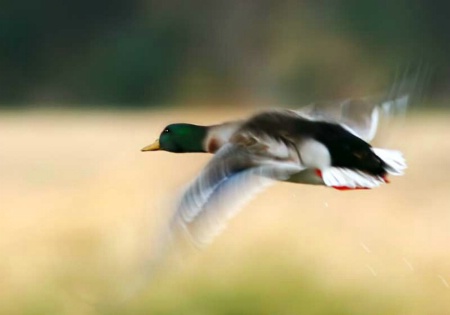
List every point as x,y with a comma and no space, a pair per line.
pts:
152,147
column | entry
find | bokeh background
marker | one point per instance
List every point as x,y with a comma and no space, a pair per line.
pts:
85,84
148,53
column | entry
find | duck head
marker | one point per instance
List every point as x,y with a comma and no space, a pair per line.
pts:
180,138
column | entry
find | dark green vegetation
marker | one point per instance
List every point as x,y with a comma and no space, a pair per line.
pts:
138,53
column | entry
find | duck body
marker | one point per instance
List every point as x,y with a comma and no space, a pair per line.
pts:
271,146
316,144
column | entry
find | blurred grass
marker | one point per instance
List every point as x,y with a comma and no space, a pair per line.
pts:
80,207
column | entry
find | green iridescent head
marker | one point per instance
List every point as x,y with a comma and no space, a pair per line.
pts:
180,138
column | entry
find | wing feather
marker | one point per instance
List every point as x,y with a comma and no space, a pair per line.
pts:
359,116
230,179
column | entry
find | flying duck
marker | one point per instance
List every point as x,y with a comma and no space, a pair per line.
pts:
321,144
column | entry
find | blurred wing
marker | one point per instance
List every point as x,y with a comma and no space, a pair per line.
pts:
362,116
231,179
358,115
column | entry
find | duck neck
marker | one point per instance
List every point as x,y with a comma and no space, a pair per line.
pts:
218,135
196,141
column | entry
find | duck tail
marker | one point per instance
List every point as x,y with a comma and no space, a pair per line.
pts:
394,160
349,179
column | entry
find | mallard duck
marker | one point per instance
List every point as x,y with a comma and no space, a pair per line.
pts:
311,146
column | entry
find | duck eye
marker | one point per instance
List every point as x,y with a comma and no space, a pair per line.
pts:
166,130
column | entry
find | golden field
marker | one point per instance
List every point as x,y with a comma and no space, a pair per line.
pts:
81,207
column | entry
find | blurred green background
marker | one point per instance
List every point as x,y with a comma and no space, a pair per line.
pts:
151,52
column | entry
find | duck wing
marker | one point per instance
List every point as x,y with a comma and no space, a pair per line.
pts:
359,116
363,116
234,175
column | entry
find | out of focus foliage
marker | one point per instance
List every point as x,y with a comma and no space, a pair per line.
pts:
144,52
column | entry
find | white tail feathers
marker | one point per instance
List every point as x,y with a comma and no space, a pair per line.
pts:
351,179
394,160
